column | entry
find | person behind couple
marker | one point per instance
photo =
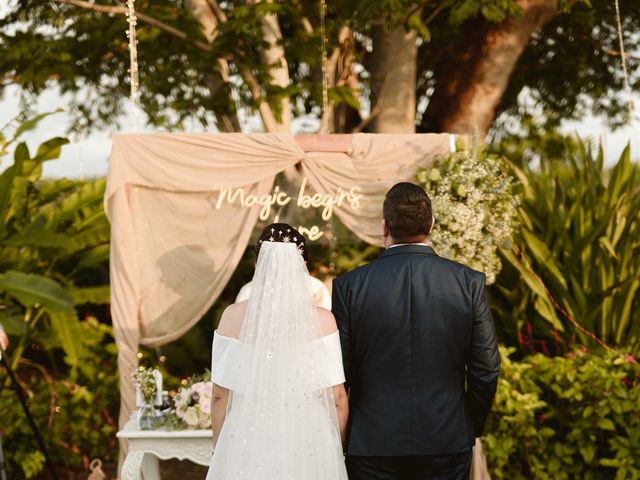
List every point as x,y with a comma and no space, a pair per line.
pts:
279,407
414,329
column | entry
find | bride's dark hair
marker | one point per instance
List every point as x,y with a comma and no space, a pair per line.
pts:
285,233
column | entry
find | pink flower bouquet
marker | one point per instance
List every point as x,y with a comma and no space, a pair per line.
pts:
193,405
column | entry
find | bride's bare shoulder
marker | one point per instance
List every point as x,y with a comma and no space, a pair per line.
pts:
231,319
327,321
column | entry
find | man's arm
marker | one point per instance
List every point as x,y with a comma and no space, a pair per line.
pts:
483,358
341,312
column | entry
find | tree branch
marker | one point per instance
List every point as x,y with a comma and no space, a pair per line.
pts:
222,17
141,16
615,53
268,118
266,113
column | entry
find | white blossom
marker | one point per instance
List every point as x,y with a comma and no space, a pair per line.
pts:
474,206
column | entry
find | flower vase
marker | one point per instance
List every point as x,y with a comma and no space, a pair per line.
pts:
146,416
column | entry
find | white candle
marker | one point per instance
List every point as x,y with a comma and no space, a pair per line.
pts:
158,376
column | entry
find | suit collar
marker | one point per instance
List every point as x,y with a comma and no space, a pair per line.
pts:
409,249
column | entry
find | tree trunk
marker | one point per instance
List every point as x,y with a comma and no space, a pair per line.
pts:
218,80
345,117
470,86
392,66
274,56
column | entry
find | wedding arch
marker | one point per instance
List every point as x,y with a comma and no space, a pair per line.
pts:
179,224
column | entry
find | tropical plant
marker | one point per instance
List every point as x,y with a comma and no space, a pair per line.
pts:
474,206
77,418
53,250
571,417
577,250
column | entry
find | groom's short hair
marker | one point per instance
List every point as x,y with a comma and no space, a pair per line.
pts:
407,211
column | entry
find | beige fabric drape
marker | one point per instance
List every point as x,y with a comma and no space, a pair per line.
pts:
172,251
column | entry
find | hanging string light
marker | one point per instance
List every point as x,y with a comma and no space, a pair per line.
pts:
623,59
324,124
133,59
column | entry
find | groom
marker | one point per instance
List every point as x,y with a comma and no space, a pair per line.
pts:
419,350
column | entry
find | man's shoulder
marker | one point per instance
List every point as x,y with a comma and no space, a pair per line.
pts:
457,266
463,274
433,262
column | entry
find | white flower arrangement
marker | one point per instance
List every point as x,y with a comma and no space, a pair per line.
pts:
474,205
193,404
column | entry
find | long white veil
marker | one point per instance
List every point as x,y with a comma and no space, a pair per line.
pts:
281,420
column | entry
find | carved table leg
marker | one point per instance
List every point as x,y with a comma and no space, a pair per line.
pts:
131,467
150,467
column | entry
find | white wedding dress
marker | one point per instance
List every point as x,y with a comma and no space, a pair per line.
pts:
281,421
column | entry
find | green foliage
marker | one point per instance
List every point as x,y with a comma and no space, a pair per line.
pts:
77,419
492,10
569,69
565,418
350,257
85,53
53,251
579,230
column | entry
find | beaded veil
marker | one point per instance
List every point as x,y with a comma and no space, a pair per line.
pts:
281,421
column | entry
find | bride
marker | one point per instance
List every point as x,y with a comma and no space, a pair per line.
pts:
279,409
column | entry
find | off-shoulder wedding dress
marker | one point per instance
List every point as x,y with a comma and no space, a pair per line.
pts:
281,421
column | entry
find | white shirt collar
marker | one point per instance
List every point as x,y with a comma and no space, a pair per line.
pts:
403,244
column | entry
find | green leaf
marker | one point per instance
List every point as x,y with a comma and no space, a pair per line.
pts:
606,424
93,236
588,452
13,324
91,258
546,309
415,22
32,289
96,295
89,195
32,123
606,243
69,332
543,256
21,155
46,239
50,150
6,182
464,11
610,462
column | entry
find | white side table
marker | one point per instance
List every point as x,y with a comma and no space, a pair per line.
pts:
147,446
